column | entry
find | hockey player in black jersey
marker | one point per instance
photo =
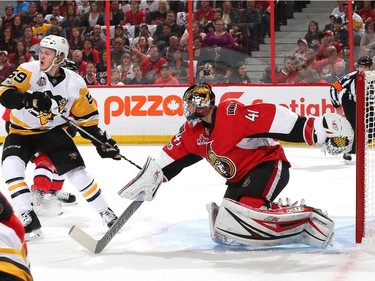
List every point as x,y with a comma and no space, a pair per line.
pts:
343,96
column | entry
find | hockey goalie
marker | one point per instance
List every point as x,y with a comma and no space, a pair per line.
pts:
241,144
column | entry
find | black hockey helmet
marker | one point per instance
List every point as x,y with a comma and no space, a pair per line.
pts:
365,60
198,100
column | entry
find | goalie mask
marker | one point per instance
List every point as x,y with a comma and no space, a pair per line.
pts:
198,100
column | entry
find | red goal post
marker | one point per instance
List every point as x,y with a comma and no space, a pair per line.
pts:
365,157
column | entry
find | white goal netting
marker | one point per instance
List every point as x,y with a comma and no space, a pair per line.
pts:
368,155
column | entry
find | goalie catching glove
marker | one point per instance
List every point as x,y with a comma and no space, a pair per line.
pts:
335,133
146,183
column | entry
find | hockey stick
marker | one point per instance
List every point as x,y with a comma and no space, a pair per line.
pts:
93,138
96,246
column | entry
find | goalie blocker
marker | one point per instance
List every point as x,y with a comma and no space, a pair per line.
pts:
234,223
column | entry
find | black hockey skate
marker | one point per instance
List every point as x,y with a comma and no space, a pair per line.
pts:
64,197
347,157
32,225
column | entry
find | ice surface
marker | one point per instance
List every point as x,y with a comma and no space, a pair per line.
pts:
168,239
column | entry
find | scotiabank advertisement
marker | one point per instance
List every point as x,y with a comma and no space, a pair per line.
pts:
149,114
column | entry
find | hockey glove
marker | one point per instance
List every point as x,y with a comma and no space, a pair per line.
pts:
146,183
39,101
335,133
109,148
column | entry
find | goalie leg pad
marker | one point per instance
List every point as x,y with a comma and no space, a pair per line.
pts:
238,224
147,182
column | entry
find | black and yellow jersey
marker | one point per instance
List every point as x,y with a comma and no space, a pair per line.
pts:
68,92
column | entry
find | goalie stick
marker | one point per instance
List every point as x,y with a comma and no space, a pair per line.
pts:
96,246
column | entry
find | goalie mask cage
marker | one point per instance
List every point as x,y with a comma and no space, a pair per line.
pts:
365,158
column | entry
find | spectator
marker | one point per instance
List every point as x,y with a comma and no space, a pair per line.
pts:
327,64
126,68
64,5
171,21
70,18
118,51
180,67
301,68
312,76
367,44
120,33
151,65
88,52
252,17
140,50
229,15
81,64
239,40
197,30
266,76
83,8
330,25
200,55
314,36
96,16
328,40
21,8
220,45
143,31
116,77
209,26
208,75
205,13
101,69
31,42
160,14
174,44
166,77
138,78
8,17
20,51
40,27
98,39
150,5
17,28
339,10
8,43
338,71
134,16
367,12
239,75
45,7
28,19
6,68
340,33
116,15
55,14
75,40
90,77
162,40
287,73
57,30
300,50
358,26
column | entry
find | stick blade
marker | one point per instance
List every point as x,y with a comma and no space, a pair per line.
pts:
83,239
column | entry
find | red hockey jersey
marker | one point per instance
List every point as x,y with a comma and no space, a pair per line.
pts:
239,138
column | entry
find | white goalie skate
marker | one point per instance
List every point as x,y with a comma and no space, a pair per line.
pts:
238,224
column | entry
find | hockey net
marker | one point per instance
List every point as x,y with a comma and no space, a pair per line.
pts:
365,158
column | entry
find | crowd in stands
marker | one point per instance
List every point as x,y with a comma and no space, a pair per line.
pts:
322,55
149,40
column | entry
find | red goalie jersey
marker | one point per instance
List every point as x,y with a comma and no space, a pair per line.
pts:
240,138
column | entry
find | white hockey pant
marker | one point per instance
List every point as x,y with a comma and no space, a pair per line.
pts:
236,224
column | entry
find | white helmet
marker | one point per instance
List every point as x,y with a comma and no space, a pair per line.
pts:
57,43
